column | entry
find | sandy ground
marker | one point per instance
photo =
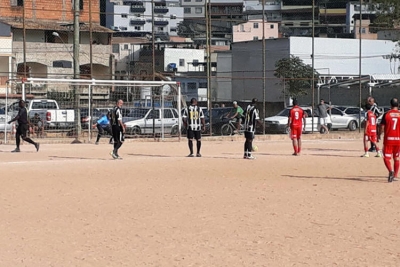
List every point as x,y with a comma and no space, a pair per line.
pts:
72,205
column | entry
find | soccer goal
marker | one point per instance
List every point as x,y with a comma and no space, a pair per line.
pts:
69,108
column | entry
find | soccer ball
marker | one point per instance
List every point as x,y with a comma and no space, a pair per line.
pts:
255,148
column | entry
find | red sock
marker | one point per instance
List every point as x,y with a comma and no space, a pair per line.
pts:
365,149
396,167
296,148
387,164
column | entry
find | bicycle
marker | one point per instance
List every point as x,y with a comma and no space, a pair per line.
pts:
229,128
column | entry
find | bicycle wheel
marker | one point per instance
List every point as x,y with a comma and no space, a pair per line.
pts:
226,129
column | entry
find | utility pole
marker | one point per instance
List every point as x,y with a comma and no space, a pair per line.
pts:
153,43
24,52
208,49
76,72
313,65
263,63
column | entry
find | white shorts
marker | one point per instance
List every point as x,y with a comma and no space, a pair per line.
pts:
323,121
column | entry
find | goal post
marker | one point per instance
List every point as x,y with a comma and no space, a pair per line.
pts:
98,96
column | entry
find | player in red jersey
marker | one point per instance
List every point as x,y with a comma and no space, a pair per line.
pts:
390,126
296,123
370,133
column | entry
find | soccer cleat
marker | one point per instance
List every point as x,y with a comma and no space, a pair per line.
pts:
294,154
37,145
16,150
250,157
372,149
391,176
198,155
113,155
366,155
379,154
190,155
96,143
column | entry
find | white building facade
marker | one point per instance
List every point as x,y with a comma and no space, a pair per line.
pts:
136,16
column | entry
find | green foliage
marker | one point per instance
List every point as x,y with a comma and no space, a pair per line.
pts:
388,14
296,75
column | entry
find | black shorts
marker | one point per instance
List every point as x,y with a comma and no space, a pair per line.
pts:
249,135
22,130
193,134
117,134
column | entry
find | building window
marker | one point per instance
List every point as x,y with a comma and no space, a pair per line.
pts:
123,28
191,86
187,1
255,25
362,30
17,2
271,26
202,84
126,46
255,38
199,0
187,10
138,28
198,10
160,29
115,48
241,28
124,16
181,62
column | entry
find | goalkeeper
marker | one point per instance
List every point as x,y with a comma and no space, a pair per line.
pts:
103,125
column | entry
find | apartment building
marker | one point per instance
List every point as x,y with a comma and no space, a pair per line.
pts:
42,39
136,16
253,30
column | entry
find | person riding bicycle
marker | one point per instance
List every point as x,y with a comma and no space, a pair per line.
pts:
237,112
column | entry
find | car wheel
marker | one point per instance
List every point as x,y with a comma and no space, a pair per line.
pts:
175,130
135,131
352,126
287,130
226,129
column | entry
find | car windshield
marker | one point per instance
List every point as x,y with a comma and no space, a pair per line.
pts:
284,113
137,112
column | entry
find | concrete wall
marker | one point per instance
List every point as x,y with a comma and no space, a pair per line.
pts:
174,55
341,56
247,77
57,10
223,81
248,31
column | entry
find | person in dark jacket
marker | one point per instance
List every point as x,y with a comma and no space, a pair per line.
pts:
23,127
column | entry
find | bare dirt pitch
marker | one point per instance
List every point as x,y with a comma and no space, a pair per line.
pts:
72,205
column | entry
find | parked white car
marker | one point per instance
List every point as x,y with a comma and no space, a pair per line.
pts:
140,120
278,123
4,126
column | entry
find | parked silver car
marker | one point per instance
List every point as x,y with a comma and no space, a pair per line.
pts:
345,117
140,120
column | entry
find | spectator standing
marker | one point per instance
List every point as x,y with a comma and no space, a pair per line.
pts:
23,127
323,115
390,126
37,125
296,122
193,120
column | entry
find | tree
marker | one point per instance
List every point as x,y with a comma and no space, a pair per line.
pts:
295,74
388,15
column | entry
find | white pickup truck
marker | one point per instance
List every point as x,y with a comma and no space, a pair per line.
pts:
49,111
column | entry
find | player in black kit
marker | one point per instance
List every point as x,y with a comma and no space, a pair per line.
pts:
23,127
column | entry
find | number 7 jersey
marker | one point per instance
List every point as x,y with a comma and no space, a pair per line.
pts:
391,120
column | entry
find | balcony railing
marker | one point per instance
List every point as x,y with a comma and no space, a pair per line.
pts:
138,9
137,22
161,9
161,22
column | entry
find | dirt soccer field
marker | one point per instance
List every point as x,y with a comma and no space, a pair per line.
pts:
72,205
